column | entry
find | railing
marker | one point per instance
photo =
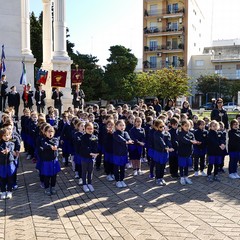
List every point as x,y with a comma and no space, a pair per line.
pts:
163,47
223,57
157,30
161,12
161,64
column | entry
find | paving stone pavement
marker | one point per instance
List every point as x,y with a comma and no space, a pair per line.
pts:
207,211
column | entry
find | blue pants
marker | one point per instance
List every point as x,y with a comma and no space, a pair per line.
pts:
232,168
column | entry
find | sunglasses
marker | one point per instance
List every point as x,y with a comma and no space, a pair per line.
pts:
161,126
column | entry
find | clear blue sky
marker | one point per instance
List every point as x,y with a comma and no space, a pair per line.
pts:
95,25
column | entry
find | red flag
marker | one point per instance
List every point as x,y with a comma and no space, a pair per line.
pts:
25,93
59,78
42,76
77,76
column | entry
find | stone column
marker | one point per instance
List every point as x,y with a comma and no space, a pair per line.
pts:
60,29
25,27
47,31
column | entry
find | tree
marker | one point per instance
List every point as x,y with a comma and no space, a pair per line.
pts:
119,72
36,38
93,75
213,83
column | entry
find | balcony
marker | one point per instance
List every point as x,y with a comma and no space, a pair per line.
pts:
164,49
156,32
163,64
164,14
225,58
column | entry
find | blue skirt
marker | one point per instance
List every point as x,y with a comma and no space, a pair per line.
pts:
77,159
108,157
184,161
67,147
234,155
215,159
135,152
160,157
50,168
7,170
199,152
120,160
150,152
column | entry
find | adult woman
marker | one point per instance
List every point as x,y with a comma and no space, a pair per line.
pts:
186,109
169,105
157,106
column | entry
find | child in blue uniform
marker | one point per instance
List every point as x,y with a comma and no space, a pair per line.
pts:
50,165
7,166
162,145
173,156
121,139
185,148
234,149
77,147
88,153
137,134
200,150
108,150
215,145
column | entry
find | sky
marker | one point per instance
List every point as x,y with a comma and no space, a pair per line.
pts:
95,25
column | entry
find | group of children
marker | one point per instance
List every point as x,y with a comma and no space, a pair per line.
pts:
121,137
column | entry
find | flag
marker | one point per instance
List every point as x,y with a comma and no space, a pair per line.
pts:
23,79
42,76
2,66
59,78
77,76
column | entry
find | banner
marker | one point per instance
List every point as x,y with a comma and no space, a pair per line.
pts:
77,76
23,79
2,64
59,78
41,76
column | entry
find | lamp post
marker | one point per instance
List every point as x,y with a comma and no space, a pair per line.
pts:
219,79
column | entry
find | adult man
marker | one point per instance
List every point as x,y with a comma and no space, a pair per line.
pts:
78,97
56,96
3,92
14,100
219,113
27,96
40,96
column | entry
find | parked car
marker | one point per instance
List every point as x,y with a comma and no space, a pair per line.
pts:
207,106
231,106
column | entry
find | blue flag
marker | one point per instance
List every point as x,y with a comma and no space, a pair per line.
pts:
2,66
23,79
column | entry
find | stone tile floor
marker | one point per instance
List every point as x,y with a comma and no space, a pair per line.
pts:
207,211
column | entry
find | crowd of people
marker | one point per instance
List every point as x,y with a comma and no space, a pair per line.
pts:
116,138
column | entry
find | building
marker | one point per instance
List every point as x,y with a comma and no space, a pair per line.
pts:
15,29
173,31
222,58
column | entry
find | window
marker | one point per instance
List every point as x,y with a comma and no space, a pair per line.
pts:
153,10
199,63
175,7
153,62
238,71
169,7
175,61
153,45
175,26
153,26
174,43
218,69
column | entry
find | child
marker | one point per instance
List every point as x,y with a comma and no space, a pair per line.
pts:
215,146
162,145
223,133
185,148
173,156
88,153
108,150
234,148
24,123
200,150
50,165
137,134
80,126
120,152
7,166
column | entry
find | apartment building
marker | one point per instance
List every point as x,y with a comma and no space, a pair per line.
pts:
173,31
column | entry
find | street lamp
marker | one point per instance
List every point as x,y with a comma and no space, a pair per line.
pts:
219,79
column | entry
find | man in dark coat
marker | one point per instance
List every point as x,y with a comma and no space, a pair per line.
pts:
14,100
78,98
40,96
27,96
56,96
3,92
